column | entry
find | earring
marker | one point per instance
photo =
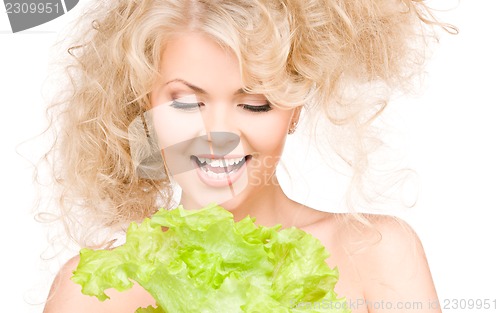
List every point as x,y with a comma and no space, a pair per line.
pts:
292,129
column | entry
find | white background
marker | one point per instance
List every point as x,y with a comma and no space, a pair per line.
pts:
451,133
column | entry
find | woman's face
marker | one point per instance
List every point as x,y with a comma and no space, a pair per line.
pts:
220,144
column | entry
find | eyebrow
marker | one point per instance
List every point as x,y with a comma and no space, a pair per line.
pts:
198,89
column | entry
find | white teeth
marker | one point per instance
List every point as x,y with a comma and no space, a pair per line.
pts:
221,162
216,175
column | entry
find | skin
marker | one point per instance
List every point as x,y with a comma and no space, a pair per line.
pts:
213,78
379,270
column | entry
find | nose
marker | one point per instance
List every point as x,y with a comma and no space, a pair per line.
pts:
222,132
223,143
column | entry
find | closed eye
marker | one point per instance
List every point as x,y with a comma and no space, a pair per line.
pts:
257,108
186,106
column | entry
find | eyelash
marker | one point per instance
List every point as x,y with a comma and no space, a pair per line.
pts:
192,106
185,106
257,108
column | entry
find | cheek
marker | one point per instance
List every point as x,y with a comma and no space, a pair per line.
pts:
173,126
268,134
176,133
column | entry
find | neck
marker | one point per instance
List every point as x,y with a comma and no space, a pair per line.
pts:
268,205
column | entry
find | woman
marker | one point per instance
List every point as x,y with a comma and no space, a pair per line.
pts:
216,87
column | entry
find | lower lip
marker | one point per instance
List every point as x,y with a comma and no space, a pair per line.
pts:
226,180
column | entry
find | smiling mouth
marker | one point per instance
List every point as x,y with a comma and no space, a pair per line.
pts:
220,168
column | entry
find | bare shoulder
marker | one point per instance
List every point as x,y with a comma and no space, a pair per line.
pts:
385,233
389,260
65,296
383,239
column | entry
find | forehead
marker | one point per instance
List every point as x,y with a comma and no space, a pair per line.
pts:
200,60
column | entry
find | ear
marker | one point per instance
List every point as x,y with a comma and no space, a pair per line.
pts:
296,115
295,120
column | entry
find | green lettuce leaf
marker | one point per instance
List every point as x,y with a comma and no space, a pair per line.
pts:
204,261
150,309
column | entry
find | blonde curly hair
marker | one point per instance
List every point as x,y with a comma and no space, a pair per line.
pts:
295,52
